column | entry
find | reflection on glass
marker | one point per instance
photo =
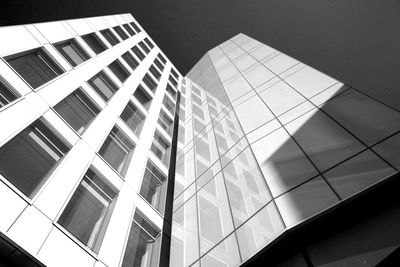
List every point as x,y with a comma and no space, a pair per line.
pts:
225,254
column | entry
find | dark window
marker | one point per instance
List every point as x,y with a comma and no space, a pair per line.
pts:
133,117
153,187
72,52
144,47
173,81
169,104
162,58
6,94
120,32
175,73
78,110
117,150
142,97
94,43
155,72
137,29
89,210
159,64
129,29
161,148
119,70
150,44
28,159
151,84
111,38
143,245
166,122
172,92
36,67
103,85
136,50
132,62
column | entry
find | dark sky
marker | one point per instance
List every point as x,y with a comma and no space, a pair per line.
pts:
356,41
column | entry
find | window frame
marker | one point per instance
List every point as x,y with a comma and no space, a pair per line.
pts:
84,56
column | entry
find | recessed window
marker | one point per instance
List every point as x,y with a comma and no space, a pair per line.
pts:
155,72
120,32
136,50
173,81
161,148
159,64
117,150
89,210
6,94
154,187
72,52
169,104
137,29
151,84
133,117
163,60
103,85
149,43
29,158
166,122
110,37
119,70
143,97
77,110
175,74
143,246
94,43
171,91
144,47
36,67
129,29
130,60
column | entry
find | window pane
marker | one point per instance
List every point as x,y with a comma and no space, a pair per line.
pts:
28,159
142,97
117,150
161,148
150,44
137,29
151,84
120,32
36,68
129,29
132,62
155,72
111,38
103,85
154,187
94,43
166,122
133,118
72,52
144,47
159,64
169,105
88,212
119,70
6,95
78,110
136,50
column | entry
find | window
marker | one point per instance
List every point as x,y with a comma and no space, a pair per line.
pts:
94,43
158,64
143,245
163,60
202,149
89,210
151,84
117,150
174,73
132,116
143,97
6,94
144,47
197,100
161,148
111,38
155,72
169,105
130,60
77,110
119,70
129,29
210,221
173,81
103,85
36,67
72,52
154,187
137,29
171,91
198,112
136,50
150,44
120,32
29,158
166,122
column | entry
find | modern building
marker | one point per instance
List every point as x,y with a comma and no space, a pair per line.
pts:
109,157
